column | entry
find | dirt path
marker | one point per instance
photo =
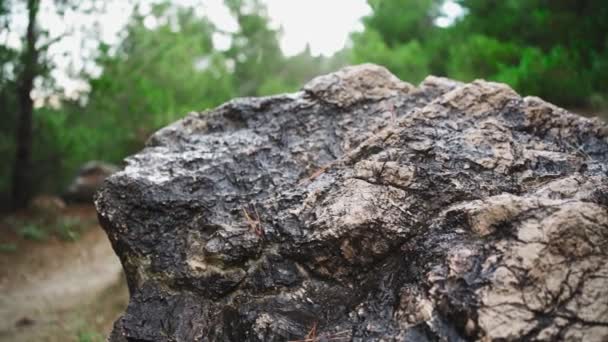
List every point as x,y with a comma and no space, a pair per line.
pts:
61,291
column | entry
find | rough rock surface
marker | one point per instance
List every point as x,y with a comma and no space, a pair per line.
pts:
363,208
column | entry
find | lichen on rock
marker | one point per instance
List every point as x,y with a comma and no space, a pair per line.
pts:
363,208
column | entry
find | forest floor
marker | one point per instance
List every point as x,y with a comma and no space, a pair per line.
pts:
60,290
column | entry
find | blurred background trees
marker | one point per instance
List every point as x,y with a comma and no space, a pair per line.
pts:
167,63
555,49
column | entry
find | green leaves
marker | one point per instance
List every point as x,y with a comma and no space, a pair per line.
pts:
409,60
553,49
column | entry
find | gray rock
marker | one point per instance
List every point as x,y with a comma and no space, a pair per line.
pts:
46,205
88,180
363,208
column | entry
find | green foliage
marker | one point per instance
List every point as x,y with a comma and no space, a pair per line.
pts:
480,55
90,336
32,231
69,228
400,21
42,226
395,36
550,74
8,248
408,61
61,144
255,50
557,50
156,77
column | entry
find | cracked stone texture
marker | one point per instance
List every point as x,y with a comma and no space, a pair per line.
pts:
363,208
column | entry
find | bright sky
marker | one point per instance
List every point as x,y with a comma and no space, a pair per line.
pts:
323,24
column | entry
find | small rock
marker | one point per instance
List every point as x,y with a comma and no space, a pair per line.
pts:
88,180
46,205
25,322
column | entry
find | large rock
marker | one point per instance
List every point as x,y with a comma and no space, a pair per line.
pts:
363,208
88,180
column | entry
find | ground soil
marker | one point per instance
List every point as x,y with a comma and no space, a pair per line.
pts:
57,290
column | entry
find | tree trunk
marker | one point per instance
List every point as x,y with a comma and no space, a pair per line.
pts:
23,155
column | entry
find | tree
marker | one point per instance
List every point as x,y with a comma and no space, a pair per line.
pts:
554,49
395,36
155,76
29,71
255,50
25,70
8,102
561,45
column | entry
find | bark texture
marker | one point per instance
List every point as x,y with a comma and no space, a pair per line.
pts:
363,208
